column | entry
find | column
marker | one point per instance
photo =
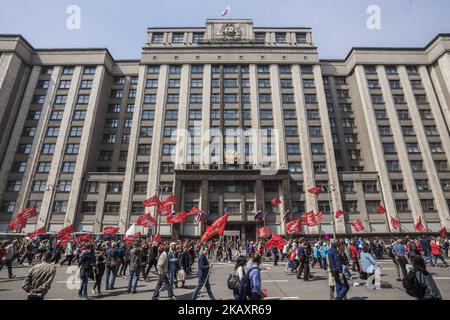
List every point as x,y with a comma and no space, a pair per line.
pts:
285,190
128,183
182,126
445,108
100,207
428,161
203,203
254,107
305,149
85,143
375,143
333,179
361,202
444,67
37,146
52,179
13,142
9,69
277,109
206,118
408,175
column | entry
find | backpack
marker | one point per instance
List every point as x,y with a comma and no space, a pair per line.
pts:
246,283
412,286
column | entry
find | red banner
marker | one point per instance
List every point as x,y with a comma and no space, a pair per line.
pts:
65,232
17,224
263,232
357,224
339,213
84,238
153,201
319,216
419,227
164,210
294,227
380,209
110,230
143,219
276,201
157,238
315,190
170,200
36,232
27,213
177,218
311,219
443,233
216,228
276,241
194,211
395,223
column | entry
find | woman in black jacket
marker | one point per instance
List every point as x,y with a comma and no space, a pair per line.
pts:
183,263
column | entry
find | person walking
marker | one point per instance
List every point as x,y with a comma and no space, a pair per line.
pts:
152,259
276,256
336,270
112,263
399,251
183,263
135,267
39,279
173,265
427,288
68,254
254,273
436,253
27,248
162,268
323,254
99,270
368,263
239,271
56,252
354,254
203,273
8,258
87,262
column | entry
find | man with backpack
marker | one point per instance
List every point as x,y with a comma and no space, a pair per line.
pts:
254,275
399,251
419,283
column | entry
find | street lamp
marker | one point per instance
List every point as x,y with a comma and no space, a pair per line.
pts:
159,190
53,188
330,188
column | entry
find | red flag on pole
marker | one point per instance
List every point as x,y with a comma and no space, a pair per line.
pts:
294,227
36,232
17,224
144,218
276,201
83,238
169,201
64,239
314,190
442,233
65,232
357,224
177,218
158,238
153,201
110,230
263,232
395,223
311,219
216,228
276,241
27,213
164,210
339,213
319,216
194,211
380,209
419,227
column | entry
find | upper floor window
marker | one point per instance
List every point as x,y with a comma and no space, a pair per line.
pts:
280,37
178,37
157,38
89,70
260,36
197,37
300,37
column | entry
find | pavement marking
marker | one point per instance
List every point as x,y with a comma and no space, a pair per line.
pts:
267,281
441,278
296,298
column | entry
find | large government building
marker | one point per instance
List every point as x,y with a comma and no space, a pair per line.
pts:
226,117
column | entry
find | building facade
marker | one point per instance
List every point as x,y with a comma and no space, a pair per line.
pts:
226,117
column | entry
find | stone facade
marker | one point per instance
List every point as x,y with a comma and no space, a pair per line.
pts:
226,117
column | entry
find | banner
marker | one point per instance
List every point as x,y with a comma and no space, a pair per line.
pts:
27,213
84,238
311,219
339,213
17,224
395,223
170,200
294,227
36,232
194,211
380,209
315,190
153,201
419,227
216,228
357,224
276,241
276,201
177,218
442,233
319,216
110,230
263,232
65,232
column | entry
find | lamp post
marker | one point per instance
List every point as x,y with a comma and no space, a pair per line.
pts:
330,188
159,190
53,189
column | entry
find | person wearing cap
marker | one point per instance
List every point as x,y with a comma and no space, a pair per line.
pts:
203,275
163,269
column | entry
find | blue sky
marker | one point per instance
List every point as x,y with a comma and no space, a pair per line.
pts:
338,25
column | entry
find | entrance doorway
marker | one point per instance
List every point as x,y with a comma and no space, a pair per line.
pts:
232,235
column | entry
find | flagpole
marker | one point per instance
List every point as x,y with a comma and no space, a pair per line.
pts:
329,188
385,213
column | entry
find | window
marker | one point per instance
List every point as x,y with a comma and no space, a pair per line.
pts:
265,98
114,186
29,132
425,114
377,98
310,98
300,37
348,186
231,114
417,165
157,38
260,36
128,122
412,148
91,186
144,149
431,131
398,98
34,115
307,69
393,166
48,148
172,98
436,147
60,99
266,114
88,206
402,205
289,114
153,70
44,166
264,83
427,204
230,83
195,114
86,84
60,206
24,148
422,185
263,69
195,98
416,84
39,186
197,37
295,167
441,165
177,37
196,83
89,70
280,37
411,70
112,207
132,93
68,70
64,185
320,167
167,167
171,115
130,108
292,148
72,148
389,148
385,131
397,185
38,99
168,149
68,166
150,98
146,131
76,131
391,70
14,186
170,131
141,167
64,84
287,98
403,115
174,69
395,84
312,114
421,99
19,166
291,131
408,131
230,98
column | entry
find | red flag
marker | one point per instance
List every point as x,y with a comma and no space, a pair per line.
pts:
36,232
83,238
395,223
294,227
27,213
304,219
311,219
315,190
319,216
153,201
177,218
169,201
194,211
339,213
158,238
199,217
357,224
419,227
143,219
164,210
276,201
65,232
380,209
216,228
276,241
17,224
64,239
152,220
443,233
263,232
110,230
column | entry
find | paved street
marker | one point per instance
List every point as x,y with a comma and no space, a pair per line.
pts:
280,285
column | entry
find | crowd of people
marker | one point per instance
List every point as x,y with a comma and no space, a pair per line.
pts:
172,262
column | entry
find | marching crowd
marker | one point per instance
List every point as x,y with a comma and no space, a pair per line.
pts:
102,261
